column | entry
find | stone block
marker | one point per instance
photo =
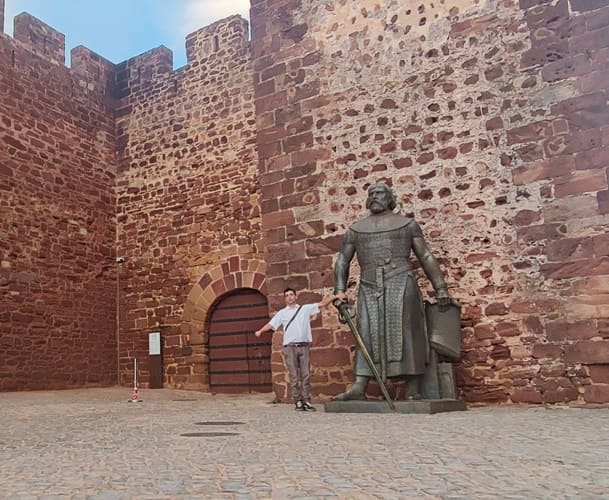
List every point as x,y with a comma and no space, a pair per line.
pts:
560,395
587,5
541,55
593,159
596,393
552,351
580,268
527,4
583,102
40,38
598,19
430,406
587,352
330,356
603,201
588,118
530,132
579,183
485,394
566,68
591,40
594,81
570,248
599,374
526,396
538,232
278,219
572,207
593,285
573,142
543,169
474,25
526,217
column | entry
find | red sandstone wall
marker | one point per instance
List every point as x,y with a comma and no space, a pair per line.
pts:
57,287
490,121
188,216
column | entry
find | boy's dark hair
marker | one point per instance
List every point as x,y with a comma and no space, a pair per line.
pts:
288,289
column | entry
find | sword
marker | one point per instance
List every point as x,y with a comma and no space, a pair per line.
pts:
380,301
345,317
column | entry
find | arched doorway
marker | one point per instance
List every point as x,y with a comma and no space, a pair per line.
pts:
239,362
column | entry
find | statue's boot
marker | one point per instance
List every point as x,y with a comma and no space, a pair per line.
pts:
413,392
357,391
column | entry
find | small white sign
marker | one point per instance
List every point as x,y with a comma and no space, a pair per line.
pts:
154,343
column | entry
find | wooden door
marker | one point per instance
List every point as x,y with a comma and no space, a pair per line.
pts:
239,362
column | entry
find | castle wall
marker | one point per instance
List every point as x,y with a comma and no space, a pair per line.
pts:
244,168
187,191
57,229
489,119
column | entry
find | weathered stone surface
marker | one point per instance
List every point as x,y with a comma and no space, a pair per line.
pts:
57,205
455,192
587,352
201,142
596,393
245,167
429,406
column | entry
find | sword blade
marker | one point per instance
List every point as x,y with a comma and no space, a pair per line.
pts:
343,310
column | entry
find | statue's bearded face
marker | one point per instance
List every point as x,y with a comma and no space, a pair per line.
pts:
379,200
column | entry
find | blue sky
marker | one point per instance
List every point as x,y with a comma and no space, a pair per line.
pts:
121,29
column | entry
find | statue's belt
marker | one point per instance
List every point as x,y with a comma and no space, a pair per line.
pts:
387,275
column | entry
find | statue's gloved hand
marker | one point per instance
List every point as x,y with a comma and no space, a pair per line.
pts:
341,303
339,298
444,299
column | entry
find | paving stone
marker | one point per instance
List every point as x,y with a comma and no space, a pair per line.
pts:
92,444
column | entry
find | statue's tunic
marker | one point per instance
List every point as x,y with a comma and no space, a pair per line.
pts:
389,290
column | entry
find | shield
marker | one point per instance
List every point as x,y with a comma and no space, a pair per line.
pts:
444,329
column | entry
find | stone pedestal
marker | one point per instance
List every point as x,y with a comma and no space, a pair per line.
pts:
427,406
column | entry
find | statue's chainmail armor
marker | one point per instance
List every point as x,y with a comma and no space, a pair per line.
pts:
388,290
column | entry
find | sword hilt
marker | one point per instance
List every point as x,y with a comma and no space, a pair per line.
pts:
344,310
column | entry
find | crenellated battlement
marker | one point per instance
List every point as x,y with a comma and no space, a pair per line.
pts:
142,70
38,51
221,38
92,68
40,38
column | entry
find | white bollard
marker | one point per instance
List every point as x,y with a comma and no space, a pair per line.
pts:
135,396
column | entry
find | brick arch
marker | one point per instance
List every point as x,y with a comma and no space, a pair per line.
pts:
217,282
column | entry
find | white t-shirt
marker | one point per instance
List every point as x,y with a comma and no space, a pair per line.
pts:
299,329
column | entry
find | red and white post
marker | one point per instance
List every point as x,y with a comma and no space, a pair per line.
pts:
135,396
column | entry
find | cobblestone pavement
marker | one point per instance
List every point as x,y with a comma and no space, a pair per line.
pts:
94,444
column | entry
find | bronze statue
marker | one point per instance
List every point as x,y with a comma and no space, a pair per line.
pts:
390,312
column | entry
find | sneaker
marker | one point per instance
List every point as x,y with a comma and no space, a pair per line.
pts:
298,406
306,406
